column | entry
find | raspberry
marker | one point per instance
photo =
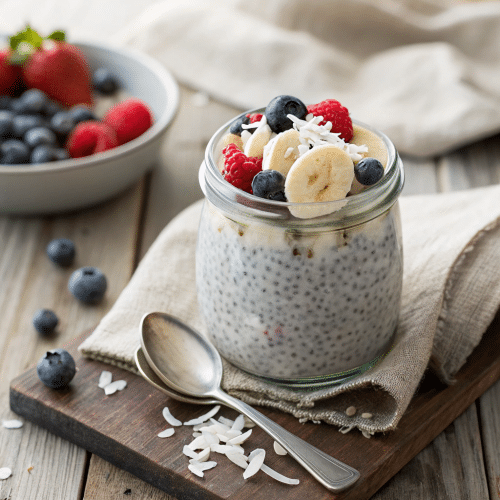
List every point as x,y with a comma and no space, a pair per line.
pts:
239,169
256,117
90,137
332,111
129,118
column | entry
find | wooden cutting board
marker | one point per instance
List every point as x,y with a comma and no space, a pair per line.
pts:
122,429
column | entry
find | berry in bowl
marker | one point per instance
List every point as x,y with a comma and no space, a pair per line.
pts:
299,255
79,123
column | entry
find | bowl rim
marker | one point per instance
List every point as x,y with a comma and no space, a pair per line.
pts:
157,129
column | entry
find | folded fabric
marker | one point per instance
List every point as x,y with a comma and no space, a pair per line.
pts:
451,291
423,72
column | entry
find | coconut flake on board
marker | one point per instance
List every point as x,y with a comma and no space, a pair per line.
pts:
12,424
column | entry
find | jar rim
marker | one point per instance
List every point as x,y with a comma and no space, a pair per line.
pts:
351,210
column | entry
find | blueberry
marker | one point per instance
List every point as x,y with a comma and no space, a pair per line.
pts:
62,124
22,123
61,154
51,108
236,127
88,284
61,251
38,136
45,321
14,152
368,171
81,114
278,109
56,368
269,184
104,81
43,154
6,102
31,102
6,124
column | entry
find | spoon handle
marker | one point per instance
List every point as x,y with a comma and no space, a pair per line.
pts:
330,472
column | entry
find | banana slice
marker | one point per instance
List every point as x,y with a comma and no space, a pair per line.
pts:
324,173
376,149
376,146
283,152
255,144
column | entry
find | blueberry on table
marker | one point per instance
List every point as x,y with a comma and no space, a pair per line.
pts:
104,81
45,321
269,184
14,152
278,109
61,251
81,114
56,368
368,171
88,284
236,127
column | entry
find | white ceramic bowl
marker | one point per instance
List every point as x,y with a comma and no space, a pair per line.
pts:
76,183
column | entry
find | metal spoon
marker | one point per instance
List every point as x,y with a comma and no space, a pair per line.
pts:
189,364
150,376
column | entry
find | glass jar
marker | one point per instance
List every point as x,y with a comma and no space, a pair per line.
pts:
302,303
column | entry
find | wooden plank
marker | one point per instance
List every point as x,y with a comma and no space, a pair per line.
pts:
123,429
29,282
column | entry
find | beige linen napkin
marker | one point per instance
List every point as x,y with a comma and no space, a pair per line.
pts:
424,72
451,291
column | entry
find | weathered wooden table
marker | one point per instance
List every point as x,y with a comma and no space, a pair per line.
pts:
463,462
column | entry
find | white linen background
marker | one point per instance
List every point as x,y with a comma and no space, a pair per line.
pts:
426,73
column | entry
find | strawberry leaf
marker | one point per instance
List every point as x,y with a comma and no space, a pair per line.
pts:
58,36
28,36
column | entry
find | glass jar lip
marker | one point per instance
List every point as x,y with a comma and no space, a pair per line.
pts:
215,186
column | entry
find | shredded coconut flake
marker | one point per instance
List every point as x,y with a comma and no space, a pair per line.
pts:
279,449
238,459
203,455
203,418
255,452
5,473
170,418
199,443
189,452
203,466
118,385
12,424
195,470
241,438
226,421
239,423
254,465
276,475
167,433
105,379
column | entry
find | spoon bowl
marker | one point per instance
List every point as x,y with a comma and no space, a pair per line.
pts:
187,363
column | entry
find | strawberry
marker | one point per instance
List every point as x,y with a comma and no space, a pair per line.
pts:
129,118
90,137
54,66
10,74
332,111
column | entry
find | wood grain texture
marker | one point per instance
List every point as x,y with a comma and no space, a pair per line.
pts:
104,237
123,430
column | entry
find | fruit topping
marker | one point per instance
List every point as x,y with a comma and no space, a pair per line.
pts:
324,173
332,111
129,118
45,321
10,75
56,368
239,169
282,151
236,127
269,184
39,136
255,117
254,145
91,137
368,171
30,102
61,251
6,124
81,114
88,284
104,81
279,108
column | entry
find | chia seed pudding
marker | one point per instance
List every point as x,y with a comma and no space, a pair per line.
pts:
302,301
